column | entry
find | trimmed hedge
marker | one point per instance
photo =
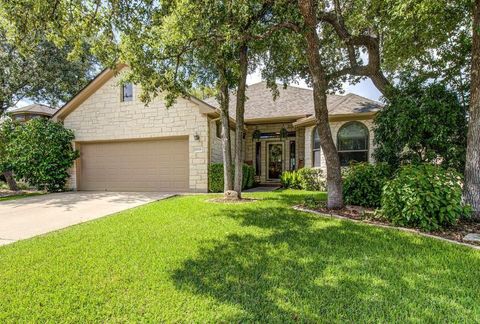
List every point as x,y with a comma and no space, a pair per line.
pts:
424,196
363,183
215,177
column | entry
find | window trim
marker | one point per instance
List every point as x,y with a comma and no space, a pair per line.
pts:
367,139
122,93
319,149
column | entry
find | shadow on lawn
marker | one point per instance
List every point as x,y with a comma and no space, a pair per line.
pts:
300,267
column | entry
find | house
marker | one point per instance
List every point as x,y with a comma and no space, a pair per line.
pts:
26,113
127,146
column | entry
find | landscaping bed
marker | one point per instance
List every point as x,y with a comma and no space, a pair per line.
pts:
456,232
25,191
12,195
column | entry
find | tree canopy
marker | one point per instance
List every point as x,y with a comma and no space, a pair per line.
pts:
422,122
41,72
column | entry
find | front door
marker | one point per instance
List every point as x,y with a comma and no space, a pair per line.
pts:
275,160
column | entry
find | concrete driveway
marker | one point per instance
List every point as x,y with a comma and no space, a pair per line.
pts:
28,217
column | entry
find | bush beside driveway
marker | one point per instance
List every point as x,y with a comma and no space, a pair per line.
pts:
188,260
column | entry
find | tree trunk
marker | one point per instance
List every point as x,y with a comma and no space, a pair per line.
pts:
239,119
317,71
471,190
12,184
226,141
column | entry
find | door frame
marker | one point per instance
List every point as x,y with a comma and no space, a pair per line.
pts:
267,176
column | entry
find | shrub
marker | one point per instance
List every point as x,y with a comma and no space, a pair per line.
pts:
215,177
312,179
422,122
248,176
424,196
363,183
290,179
40,152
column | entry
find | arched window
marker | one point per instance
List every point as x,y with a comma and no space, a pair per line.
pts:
352,143
316,147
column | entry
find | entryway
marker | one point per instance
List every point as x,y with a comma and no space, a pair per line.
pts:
275,160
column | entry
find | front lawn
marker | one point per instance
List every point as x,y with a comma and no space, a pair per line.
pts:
187,260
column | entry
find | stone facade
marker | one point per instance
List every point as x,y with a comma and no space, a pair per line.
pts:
334,126
216,153
103,117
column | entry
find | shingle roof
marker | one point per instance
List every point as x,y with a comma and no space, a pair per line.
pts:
35,109
295,102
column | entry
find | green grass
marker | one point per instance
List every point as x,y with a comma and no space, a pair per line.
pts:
20,196
187,260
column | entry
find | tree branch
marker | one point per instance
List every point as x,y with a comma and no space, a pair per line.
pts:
373,69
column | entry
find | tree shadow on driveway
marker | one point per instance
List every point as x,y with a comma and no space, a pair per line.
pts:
292,266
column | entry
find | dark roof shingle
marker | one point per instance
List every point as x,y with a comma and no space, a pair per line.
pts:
295,102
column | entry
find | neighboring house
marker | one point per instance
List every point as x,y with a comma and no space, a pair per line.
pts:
26,113
127,146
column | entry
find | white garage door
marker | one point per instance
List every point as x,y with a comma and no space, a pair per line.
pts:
151,165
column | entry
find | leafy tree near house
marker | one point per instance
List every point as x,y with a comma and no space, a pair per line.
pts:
38,71
213,48
421,123
376,39
471,190
40,152
175,47
350,39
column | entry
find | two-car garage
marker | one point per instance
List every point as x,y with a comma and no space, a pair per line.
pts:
134,165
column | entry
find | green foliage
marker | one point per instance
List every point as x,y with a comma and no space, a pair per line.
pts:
309,179
40,152
312,179
421,123
363,183
290,180
42,73
424,196
313,202
216,179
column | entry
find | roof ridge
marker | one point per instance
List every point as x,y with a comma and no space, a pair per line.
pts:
362,97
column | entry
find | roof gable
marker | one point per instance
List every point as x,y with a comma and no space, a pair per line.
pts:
101,79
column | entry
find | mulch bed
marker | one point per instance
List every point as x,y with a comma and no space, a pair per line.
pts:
456,232
8,193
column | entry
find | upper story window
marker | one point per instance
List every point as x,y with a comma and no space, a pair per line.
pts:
127,92
352,143
218,129
316,147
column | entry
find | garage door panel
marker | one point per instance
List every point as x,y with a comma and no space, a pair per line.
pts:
156,165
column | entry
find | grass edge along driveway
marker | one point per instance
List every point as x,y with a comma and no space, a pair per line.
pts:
184,259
